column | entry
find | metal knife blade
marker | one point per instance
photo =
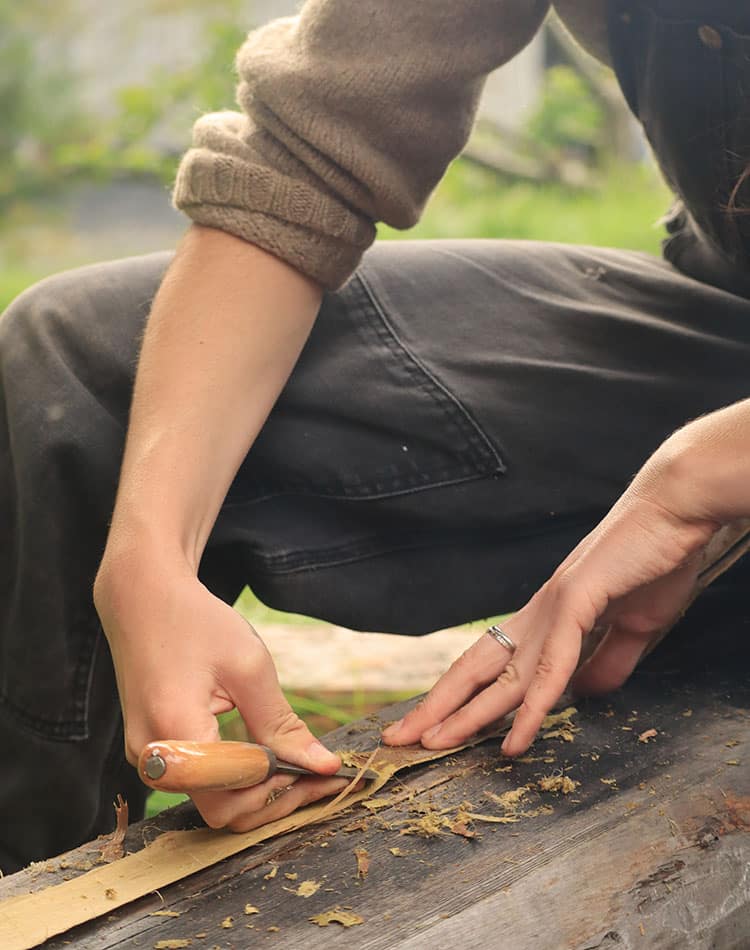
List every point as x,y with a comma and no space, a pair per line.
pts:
344,772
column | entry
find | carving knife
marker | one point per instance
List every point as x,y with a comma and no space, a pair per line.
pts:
176,766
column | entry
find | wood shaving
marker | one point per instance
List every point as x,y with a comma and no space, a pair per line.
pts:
249,909
428,826
733,762
375,804
542,810
291,875
397,852
732,743
337,915
165,913
557,719
687,713
567,734
77,866
461,824
354,782
227,923
363,862
271,874
508,800
308,888
172,944
648,735
113,848
557,783
612,782
273,929
462,828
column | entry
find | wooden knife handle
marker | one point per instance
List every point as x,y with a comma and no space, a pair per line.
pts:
176,766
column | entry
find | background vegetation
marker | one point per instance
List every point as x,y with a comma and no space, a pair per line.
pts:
48,143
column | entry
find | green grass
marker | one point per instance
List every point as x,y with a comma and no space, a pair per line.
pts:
257,613
472,202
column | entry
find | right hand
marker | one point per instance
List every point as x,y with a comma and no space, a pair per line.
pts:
182,657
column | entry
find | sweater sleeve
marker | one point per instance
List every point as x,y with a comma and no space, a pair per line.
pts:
351,112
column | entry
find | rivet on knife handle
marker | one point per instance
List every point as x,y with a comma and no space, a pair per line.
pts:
178,766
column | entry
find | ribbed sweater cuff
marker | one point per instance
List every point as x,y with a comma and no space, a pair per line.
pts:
290,219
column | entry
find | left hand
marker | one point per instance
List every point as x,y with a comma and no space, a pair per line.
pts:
635,572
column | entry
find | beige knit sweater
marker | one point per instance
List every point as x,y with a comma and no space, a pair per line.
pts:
352,111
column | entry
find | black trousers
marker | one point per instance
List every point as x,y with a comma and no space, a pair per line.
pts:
463,413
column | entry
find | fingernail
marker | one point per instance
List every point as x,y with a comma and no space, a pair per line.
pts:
393,728
431,733
504,747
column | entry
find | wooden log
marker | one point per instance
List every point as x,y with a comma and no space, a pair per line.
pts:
650,848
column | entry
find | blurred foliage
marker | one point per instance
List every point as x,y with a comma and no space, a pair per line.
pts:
568,116
36,100
48,140
472,202
127,144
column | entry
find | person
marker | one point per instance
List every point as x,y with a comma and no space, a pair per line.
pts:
401,439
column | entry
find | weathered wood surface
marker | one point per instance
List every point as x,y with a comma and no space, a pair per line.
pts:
659,857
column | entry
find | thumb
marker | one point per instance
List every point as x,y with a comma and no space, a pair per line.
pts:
272,722
638,619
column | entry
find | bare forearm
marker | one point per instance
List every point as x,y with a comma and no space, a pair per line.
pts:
702,472
226,328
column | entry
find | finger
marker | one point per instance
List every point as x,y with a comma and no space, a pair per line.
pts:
301,793
556,664
635,621
219,809
273,722
493,702
472,671
490,704
611,663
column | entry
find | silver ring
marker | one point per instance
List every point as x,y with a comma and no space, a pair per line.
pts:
497,633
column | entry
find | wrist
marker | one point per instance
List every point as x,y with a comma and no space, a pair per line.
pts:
136,567
703,470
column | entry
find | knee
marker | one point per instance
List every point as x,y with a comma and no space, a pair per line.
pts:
24,323
47,358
